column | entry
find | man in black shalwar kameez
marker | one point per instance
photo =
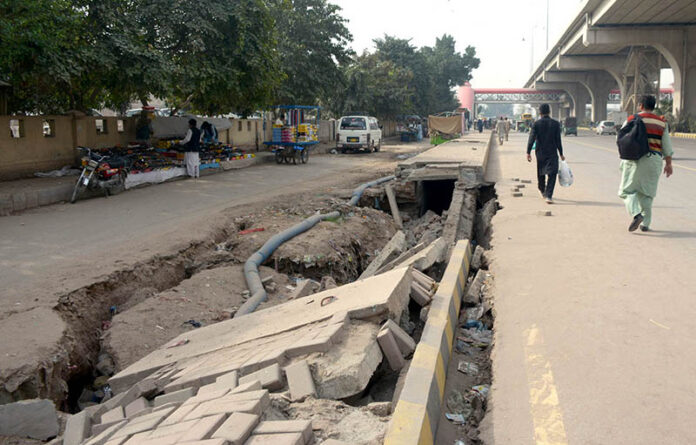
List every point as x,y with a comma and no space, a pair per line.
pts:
546,132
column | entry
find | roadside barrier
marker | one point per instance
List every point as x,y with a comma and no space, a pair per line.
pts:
417,411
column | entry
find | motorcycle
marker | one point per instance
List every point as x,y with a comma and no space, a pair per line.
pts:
101,172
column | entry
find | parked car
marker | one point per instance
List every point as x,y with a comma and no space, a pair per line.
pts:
606,127
359,133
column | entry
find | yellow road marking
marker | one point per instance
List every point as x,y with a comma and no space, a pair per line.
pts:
614,151
543,396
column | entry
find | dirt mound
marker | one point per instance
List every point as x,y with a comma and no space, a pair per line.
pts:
208,297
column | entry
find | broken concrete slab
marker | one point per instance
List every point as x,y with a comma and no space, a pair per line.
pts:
427,257
393,248
346,369
303,288
420,295
406,344
378,297
460,217
477,257
473,292
78,427
391,197
401,258
35,419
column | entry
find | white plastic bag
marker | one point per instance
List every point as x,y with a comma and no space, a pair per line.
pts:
565,175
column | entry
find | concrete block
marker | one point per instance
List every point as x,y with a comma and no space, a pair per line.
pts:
300,381
207,441
145,438
119,441
178,396
423,279
332,332
36,419
78,427
420,295
476,258
231,379
99,427
276,439
237,428
113,415
403,257
406,344
136,407
104,436
211,394
248,386
308,346
270,377
95,412
394,247
221,406
167,405
303,427
261,395
390,349
473,292
204,428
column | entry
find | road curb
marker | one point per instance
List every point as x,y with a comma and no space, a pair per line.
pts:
684,135
417,411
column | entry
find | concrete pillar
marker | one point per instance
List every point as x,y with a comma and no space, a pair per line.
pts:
555,110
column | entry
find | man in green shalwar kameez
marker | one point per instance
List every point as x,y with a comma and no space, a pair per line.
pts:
639,178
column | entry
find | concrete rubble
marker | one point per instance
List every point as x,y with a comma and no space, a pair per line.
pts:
216,382
34,419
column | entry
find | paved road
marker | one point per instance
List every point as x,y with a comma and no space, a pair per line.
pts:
595,326
46,251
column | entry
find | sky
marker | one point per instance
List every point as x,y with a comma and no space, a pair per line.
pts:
502,31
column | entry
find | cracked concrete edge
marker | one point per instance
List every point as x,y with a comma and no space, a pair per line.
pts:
417,411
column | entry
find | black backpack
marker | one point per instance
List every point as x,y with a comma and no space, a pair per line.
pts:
632,140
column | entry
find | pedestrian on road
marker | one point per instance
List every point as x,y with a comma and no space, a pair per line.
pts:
507,129
500,129
639,178
479,125
546,132
192,147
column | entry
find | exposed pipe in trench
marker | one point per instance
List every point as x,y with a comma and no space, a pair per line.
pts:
251,266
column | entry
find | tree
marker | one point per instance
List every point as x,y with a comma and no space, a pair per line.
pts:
313,43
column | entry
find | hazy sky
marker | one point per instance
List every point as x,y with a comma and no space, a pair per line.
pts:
501,30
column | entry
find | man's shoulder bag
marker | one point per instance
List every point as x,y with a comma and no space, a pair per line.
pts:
632,139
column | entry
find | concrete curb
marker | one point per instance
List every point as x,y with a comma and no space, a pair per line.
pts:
417,411
684,135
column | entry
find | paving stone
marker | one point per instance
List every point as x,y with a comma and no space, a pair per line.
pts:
261,395
276,439
141,424
145,438
248,386
179,414
204,428
300,381
210,394
221,406
390,349
406,344
113,415
419,294
97,428
303,427
167,405
136,407
95,412
237,429
230,379
206,442
270,377
119,441
78,427
36,419
177,396
104,436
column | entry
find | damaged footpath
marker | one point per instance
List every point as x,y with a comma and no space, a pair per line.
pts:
327,358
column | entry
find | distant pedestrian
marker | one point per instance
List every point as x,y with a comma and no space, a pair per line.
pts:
639,178
500,129
507,129
546,132
192,147
479,125
209,132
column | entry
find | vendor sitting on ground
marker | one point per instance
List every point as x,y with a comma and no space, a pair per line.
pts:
210,134
192,147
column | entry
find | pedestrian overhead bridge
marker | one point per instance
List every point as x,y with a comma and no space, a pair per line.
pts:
622,45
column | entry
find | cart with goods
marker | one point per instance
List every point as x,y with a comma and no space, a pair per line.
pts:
291,140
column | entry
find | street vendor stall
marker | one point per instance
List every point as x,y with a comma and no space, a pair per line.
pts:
296,130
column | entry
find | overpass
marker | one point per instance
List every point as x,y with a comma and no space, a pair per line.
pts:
622,45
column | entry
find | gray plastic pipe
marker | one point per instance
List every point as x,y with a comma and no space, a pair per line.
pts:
251,267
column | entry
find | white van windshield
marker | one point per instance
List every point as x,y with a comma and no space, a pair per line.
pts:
353,123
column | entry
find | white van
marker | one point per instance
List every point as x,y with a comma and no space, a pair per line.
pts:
358,132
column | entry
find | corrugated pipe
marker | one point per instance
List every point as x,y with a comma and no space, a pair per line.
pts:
251,267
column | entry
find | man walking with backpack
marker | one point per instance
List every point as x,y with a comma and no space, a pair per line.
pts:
639,177
546,132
